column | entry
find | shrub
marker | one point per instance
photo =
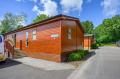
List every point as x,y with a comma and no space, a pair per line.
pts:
94,46
74,57
86,52
78,55
81,51
82,54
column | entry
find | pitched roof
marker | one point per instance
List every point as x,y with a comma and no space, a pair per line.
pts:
88,35
54,18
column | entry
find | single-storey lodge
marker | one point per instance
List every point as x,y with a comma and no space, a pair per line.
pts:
51,39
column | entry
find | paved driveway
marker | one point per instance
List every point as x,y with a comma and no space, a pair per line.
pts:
16,70
105,64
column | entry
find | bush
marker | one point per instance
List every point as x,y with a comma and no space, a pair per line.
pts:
78,55
94,46
82,54
81,51
86,52
74,57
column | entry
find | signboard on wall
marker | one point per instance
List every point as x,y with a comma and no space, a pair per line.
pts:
54,36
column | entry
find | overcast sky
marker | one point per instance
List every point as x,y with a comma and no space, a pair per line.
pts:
93,10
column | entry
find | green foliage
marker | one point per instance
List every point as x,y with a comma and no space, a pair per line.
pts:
109,44
11,22
88,27
78,55
82,53
74,57
109,30
94,46
86,52
40,18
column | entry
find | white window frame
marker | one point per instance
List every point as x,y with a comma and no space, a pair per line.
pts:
69,33
27,37
34,34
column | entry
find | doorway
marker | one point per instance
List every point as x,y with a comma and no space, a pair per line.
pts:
20,44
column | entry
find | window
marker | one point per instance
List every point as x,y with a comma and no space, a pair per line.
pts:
69,33
26,39
34,35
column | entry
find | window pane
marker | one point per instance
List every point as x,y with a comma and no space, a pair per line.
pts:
34,35
69,36
34,32
26,39
69,30
26,35
69,33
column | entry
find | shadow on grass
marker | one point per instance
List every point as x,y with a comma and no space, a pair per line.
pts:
8,63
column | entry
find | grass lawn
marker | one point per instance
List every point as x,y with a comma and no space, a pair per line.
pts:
109,44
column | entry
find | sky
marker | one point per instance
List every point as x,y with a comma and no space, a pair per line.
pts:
92,10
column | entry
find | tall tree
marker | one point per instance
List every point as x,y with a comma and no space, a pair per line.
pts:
40,18
11,22
101,34
88,27
110,30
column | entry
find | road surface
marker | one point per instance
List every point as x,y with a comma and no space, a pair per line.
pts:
105,64
16,70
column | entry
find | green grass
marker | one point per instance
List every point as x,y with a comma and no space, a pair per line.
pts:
109,44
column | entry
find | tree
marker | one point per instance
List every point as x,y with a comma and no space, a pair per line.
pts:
40,18
101,34
11,22
88,27
109,30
